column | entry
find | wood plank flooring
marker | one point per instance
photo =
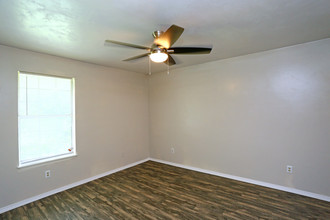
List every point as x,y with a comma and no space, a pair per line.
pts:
157,191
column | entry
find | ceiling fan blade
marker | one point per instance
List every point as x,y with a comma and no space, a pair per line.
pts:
169,37
126,44
170,61
189,50
137,57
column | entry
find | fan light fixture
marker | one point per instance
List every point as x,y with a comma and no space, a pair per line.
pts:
158,55
161,50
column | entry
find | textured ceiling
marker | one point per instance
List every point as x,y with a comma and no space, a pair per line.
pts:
77,29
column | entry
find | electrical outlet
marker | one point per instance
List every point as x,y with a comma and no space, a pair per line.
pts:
172,150
289,169
47,174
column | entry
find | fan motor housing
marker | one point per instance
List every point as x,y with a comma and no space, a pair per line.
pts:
159,50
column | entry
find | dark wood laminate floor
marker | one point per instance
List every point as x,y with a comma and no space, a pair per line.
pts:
156,191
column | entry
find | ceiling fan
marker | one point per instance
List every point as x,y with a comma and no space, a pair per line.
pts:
161,50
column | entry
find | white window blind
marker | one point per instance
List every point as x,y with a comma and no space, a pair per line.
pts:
46,123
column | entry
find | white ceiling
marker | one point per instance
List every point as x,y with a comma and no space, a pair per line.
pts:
77,28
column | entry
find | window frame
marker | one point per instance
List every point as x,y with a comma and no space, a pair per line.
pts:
46,159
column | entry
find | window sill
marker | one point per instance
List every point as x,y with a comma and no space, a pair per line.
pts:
47,160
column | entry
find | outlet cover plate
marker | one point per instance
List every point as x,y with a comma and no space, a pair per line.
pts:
47,174
289,169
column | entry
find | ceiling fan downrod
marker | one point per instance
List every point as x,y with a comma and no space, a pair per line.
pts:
157,34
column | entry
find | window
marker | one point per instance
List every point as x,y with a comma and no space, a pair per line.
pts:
46,122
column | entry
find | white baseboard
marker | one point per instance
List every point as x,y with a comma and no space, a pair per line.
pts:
256,182
52,192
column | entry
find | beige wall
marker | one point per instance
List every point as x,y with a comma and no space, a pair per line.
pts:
111,123
249,116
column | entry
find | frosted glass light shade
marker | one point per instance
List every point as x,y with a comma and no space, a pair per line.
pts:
158,56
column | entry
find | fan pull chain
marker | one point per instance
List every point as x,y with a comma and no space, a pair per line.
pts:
168,66
149,66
